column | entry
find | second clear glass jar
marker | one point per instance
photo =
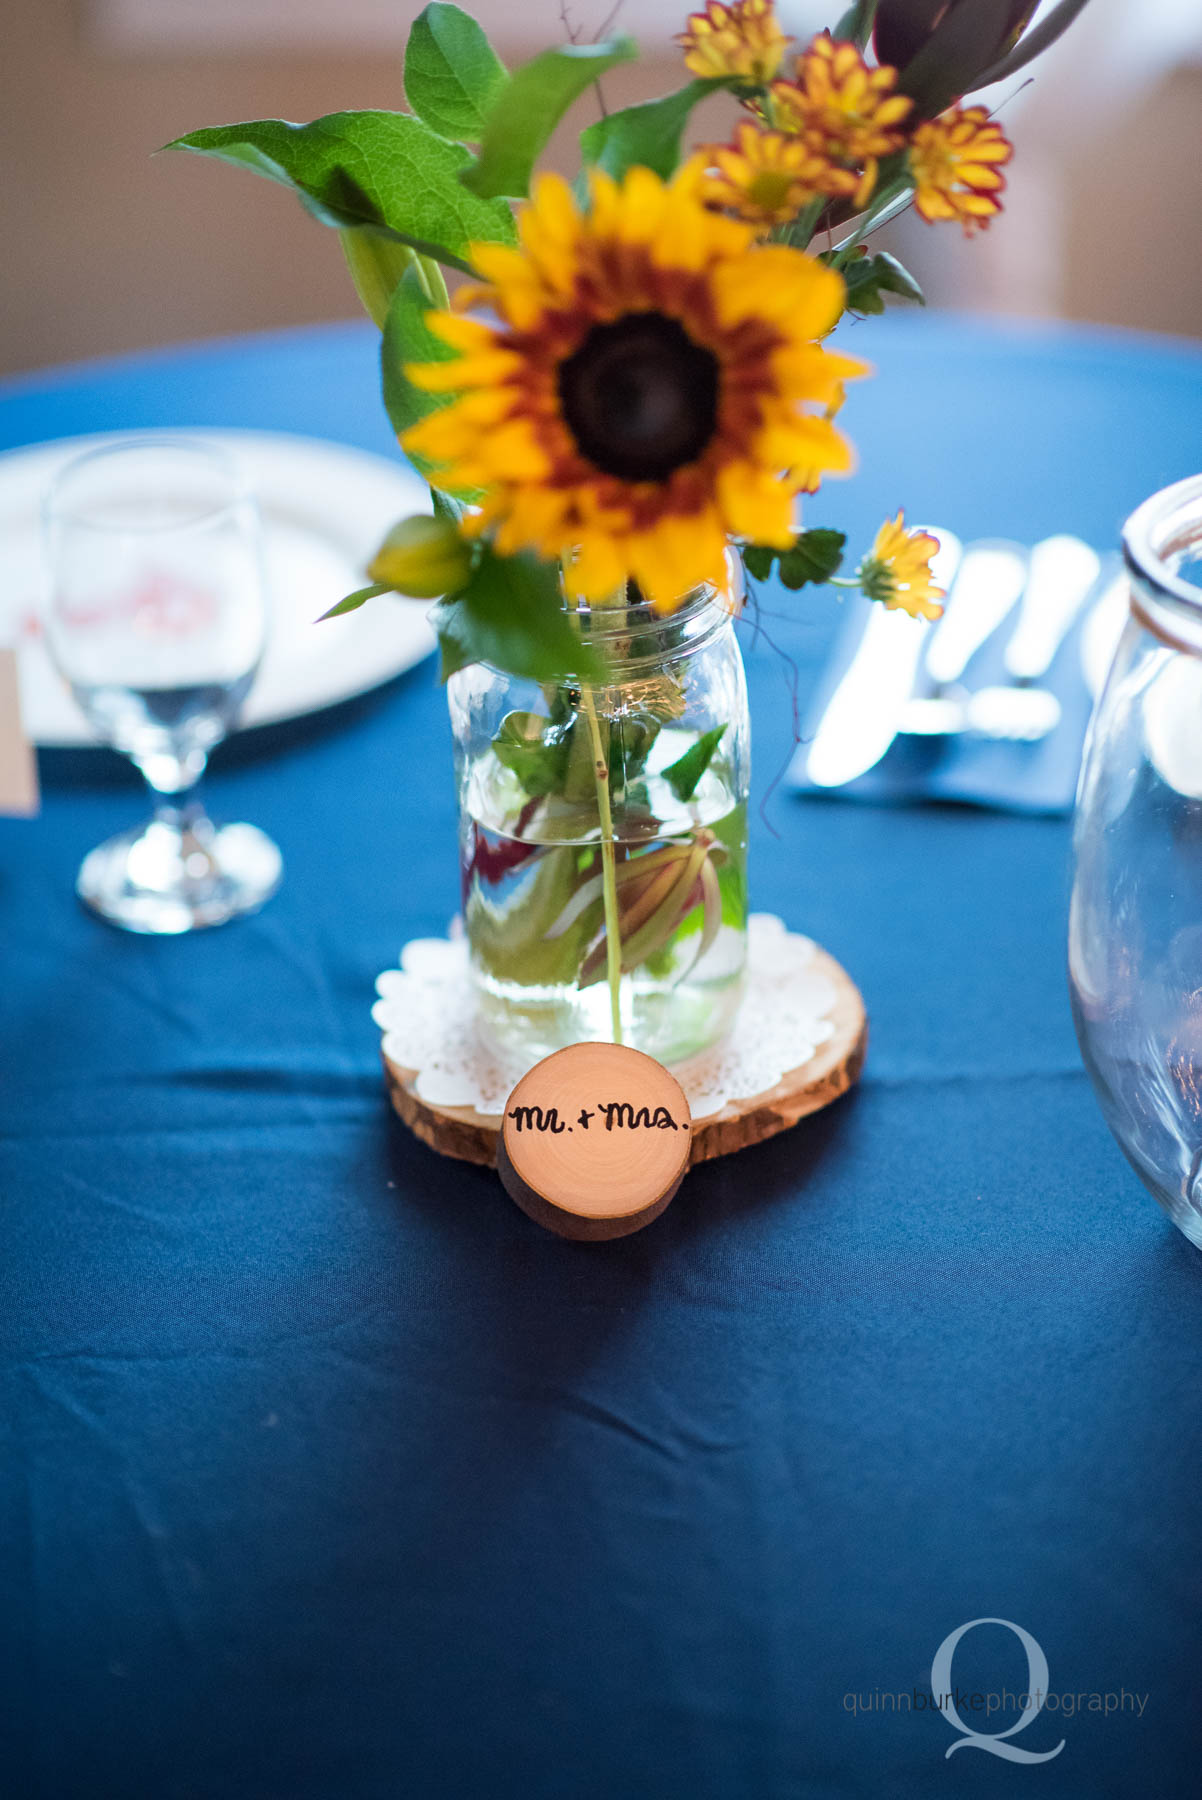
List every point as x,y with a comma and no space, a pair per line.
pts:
1135,930
588,807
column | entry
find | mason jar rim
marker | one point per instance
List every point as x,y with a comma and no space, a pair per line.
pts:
1167,521
665,636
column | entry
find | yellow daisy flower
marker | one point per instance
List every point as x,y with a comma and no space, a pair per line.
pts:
954,160
844,110
740,40
897,570
764,176
648,382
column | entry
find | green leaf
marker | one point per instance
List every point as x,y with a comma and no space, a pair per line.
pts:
453,75
354,601
683,775
856,23
446,506
870,278
631,737
511,615
648,134
535,751
379,263
407,338
528,109
1050,27
380,169
813,556
509,934
758,560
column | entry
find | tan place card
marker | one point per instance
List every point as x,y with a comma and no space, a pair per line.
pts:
18,764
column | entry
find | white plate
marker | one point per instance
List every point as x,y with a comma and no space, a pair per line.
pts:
325,508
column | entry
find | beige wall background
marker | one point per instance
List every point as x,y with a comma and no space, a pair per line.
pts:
107,247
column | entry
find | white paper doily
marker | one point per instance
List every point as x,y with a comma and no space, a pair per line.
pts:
427,1013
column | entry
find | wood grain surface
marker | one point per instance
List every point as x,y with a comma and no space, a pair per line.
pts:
462,1132
595,1141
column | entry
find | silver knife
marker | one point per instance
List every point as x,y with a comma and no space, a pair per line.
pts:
988,583
1061,575
862,716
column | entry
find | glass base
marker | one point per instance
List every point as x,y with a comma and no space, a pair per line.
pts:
179,874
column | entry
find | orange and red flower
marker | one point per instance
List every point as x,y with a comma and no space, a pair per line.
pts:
956,163
845,111
737,40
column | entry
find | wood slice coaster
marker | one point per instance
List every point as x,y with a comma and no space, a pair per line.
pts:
834,1067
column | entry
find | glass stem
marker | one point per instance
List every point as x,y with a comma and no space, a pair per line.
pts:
173,777
609,884
179,811
174,780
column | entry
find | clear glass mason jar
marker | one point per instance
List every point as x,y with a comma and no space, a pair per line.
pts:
663,747
1135,925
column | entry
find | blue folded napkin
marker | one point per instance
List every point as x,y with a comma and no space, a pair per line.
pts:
1038,777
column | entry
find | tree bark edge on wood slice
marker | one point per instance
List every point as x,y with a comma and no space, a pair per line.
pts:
471,1136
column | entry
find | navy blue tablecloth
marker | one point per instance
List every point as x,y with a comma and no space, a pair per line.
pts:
326,1475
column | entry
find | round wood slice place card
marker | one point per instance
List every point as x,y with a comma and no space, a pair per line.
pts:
595,1141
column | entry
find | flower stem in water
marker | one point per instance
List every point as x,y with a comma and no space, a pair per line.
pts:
609,886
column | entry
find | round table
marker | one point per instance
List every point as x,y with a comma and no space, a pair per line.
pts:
326,1473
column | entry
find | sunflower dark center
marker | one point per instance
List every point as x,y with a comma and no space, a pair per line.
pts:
640,397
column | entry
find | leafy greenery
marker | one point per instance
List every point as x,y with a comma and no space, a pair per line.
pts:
630,739
555,755
380,169
446,506
1034,42
534,750
648,134
856,22
407,338
683,775
511,614
510,940
870,278
813,557
453,76
379,263
354,601
529,107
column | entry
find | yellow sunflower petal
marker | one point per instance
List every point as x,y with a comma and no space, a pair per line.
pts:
598,567
458,332
463,371
680,554
779,283
756,505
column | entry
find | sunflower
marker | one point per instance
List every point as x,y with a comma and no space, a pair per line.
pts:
739,41
845,111
954,160
764,177
897,570
647,383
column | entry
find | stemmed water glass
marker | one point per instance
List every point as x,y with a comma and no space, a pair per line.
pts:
157,618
